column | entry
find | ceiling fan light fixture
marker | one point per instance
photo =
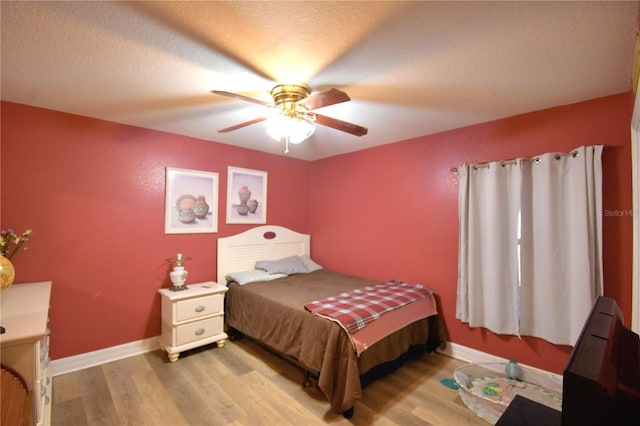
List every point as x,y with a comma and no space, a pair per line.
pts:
291,117
283,128
285,95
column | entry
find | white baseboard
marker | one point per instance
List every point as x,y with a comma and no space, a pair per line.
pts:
470,355
466,354
103,356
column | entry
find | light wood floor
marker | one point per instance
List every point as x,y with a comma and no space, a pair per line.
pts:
245,384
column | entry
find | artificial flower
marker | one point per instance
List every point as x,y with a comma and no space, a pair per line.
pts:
10,242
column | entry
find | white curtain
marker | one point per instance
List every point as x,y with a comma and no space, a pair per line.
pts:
488,263
530,249
561,243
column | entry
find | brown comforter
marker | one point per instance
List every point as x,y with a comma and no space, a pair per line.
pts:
273,313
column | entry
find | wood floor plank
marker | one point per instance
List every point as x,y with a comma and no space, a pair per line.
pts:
291,405
69,412
241,389
98,404
209,374
364,415
125,397
68,388
245,384
161,400
199,400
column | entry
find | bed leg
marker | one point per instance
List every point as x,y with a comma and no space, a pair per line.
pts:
306,382
348,414
234,334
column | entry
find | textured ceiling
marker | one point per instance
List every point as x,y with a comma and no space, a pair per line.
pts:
410,68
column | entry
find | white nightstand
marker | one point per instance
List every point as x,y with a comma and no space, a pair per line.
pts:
192,317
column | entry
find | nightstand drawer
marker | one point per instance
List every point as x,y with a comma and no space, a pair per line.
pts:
198,330
192,317
199,307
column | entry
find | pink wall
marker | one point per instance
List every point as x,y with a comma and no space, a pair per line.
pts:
391,211
93,193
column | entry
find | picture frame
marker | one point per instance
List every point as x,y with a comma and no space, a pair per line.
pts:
191,201
246,195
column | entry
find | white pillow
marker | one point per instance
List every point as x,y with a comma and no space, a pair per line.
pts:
310,264
288,265
252,275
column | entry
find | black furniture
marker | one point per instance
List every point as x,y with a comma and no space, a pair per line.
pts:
526,412
601,381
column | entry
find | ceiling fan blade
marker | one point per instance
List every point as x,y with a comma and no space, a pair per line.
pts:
334,123
241,125
322,99
241,97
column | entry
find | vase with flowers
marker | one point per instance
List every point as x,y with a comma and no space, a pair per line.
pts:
10,245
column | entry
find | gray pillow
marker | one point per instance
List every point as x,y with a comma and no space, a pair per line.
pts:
288,265
310,264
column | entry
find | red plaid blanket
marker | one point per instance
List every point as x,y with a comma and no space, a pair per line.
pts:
357,308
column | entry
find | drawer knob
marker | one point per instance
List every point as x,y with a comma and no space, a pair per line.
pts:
199,308
199,331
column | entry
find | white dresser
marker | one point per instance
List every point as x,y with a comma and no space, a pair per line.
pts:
192,317
24,347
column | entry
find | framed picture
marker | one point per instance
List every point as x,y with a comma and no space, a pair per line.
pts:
246,196
191,201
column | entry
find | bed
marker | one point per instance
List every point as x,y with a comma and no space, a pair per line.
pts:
273,313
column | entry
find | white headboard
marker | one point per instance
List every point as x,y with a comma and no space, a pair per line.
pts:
240,252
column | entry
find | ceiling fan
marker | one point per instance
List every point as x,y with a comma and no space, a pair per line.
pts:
294,102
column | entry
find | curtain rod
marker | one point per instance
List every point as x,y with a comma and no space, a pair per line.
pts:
558,156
